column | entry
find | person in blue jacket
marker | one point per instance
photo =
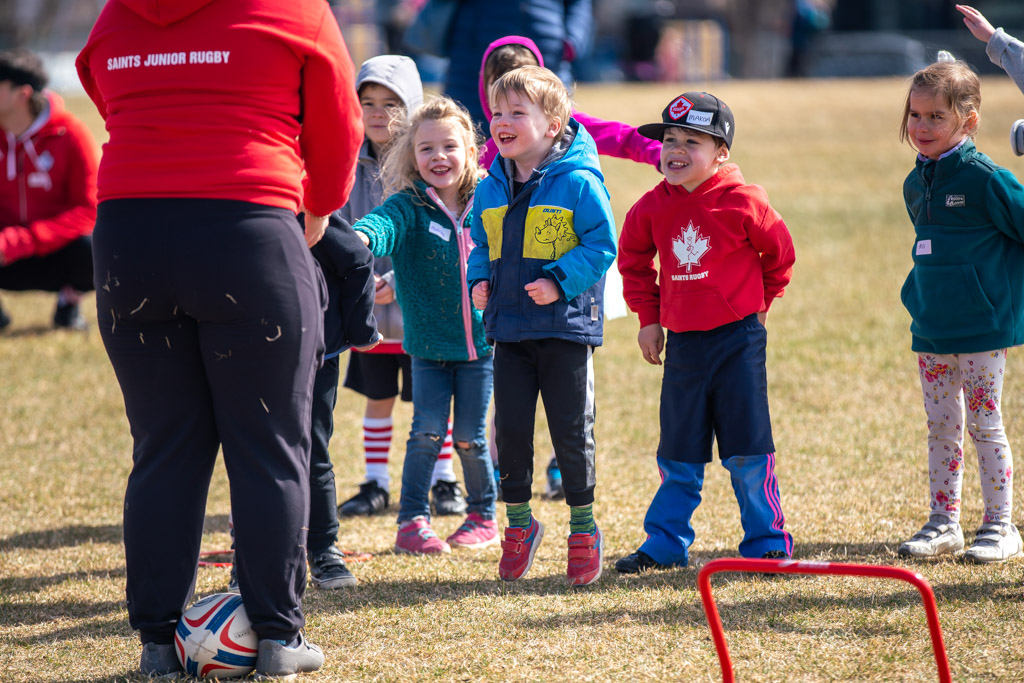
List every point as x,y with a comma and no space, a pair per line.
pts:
965,295
561,29
544,236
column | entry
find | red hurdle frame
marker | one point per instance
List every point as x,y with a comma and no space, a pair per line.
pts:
735,564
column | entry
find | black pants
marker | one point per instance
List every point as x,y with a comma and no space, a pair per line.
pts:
562,372
323,494
70,265
210,313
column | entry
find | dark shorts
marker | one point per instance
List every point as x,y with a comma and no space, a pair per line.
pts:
375,375
715,389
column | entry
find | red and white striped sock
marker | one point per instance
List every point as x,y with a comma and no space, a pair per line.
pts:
444,469
376,444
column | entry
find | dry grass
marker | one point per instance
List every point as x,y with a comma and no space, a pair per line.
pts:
848,422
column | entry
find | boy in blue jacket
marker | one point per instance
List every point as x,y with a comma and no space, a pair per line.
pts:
544,236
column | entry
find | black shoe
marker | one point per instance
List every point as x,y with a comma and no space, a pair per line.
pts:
639,562
372,499
233,578
775,555
5,319
327,570
446,497
68,317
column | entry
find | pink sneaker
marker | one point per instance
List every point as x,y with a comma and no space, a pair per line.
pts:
475,532
518,549
417,538
586,552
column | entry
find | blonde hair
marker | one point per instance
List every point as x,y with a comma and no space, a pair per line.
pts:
539,85
957,83
398,163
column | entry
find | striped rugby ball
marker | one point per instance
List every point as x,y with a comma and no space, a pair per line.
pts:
214,638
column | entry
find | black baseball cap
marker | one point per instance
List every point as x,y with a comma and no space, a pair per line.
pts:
697,111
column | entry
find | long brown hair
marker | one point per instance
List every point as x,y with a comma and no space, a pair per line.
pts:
398,165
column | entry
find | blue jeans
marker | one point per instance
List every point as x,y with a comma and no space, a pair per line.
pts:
434,385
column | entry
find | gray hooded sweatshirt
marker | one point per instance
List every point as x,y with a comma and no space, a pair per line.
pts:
398,74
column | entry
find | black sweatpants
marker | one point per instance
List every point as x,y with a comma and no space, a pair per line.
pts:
562,372
69,265
210,311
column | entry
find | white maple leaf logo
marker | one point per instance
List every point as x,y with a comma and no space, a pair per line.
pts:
689,247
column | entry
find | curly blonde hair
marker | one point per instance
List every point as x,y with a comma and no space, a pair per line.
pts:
953,81
398,163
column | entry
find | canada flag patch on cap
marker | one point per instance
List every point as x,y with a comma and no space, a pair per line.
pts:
679,107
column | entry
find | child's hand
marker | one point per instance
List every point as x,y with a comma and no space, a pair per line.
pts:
652,342
977,23
384,293
364,237
316,226
543,291
762,317
370,345
481,293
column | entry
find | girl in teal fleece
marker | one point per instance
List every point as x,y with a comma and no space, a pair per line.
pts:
430,172
965,295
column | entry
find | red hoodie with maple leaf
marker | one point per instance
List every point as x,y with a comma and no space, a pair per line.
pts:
224,99
723,253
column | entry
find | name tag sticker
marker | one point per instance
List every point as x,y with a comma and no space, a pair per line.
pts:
441,231
924,247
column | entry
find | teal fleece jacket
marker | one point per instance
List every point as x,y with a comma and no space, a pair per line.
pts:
429,247
965,292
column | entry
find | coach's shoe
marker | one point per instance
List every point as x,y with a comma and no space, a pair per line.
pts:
476,532
68,317
938,536
1017,137
995,542
275,660
554,489
518,549
640,562
327,569
160,661
372,499
446,497
586,556
415,537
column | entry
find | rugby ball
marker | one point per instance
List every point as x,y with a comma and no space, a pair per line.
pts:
214,638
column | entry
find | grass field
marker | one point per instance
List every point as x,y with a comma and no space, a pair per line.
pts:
849,428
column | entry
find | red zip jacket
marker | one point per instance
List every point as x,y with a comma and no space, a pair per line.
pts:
224,99
47,184
723,253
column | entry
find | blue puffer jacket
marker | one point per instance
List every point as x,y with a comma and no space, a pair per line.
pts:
429,248
558,27
560,226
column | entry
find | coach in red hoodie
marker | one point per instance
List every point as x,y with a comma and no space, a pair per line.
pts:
48,164
208,299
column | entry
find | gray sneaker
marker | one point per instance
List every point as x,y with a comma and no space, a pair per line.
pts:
160,661
274,660
995,542
327,569
938,536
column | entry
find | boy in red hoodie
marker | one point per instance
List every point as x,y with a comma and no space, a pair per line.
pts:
724,254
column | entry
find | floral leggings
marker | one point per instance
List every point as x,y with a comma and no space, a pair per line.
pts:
945,380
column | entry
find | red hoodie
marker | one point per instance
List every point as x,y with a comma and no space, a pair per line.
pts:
47,184
224,99
723,253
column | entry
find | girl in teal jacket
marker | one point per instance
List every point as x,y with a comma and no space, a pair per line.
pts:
965,295
429,172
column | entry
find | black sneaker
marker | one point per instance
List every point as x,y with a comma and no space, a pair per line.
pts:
233,578
327,570
69,317
639,562
446,498
5,320
775,555
372,499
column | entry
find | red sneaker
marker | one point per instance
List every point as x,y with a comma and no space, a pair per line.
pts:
518,549
476,532
417,538
586,552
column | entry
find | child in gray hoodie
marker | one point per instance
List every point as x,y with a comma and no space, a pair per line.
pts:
1005,51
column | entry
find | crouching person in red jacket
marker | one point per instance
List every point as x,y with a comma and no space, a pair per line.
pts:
48,163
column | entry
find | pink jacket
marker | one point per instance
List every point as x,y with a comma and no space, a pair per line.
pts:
613,138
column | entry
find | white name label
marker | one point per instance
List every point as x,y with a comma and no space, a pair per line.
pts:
441,231
924,247
700,118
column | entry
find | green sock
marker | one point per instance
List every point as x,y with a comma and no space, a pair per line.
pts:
519,514
581,520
